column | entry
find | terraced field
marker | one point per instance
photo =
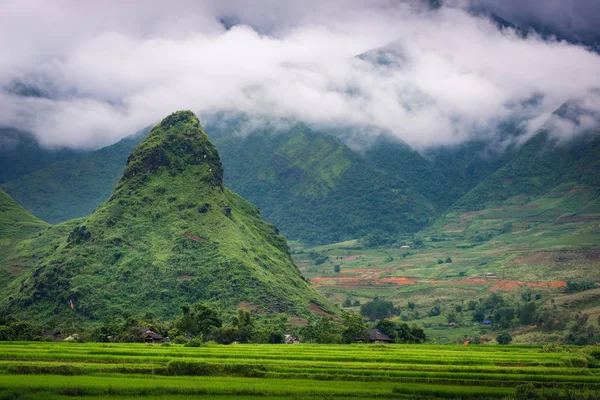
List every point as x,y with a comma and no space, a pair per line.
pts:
119,371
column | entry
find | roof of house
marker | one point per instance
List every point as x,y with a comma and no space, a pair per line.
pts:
148,333
487,321
375,335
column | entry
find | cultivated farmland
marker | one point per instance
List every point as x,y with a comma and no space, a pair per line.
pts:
120,371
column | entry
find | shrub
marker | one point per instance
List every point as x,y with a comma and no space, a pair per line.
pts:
504,338
195,342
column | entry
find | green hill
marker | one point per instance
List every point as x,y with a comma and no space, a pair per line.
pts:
15,220
73,188
20,154
442,175
170,234
18,232
315,188
541,164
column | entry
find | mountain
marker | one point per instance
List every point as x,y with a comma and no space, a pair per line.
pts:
442,175
314,187
24,239
308,183
541,164
20,154
171,233
74,187
15,220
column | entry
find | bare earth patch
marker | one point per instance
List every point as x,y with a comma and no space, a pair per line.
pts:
194,237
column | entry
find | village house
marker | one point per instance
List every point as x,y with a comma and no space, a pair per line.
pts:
55,335
149,336
289,339
374,336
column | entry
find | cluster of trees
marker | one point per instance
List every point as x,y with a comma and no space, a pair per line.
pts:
378,309
583,332
580,286
19,330
199,323
318,257
400,332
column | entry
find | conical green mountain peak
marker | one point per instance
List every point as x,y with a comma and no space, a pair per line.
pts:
175,144
170,234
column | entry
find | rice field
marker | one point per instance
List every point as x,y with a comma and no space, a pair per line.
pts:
36,370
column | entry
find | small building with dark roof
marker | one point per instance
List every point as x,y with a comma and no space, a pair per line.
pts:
55,335
149,336
374,336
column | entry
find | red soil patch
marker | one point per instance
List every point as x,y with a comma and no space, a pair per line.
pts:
194,237
186,277
350,258
318,310
507,180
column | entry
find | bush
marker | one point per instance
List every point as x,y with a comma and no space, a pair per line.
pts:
504,338
179,340
195,342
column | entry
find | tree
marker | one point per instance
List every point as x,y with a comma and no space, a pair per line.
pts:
244,324
387,327
448,260
198,319
326,332
352,326
336,268
527,313
347,302
452,317
504,338
377,309
435,310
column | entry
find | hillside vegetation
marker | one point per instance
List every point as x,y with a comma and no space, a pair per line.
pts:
170,234
73,188
315,189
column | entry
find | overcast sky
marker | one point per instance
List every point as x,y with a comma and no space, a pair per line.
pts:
110,68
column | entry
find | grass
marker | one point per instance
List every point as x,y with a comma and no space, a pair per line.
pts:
116,371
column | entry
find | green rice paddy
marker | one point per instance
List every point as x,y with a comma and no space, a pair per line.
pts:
123,371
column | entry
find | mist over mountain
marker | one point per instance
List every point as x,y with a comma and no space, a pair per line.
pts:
450,75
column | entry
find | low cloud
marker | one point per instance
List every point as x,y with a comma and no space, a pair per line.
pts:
439,77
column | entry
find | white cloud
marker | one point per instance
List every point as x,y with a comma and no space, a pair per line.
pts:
117,68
